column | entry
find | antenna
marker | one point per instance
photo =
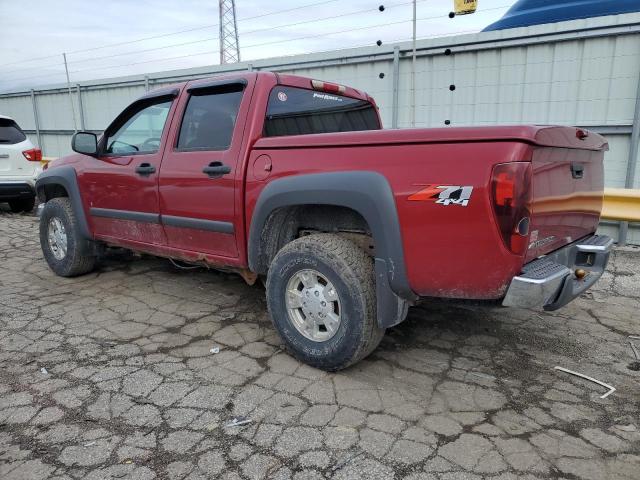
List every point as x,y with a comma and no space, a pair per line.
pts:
229,45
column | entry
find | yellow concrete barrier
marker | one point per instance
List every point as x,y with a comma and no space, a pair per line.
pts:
621,204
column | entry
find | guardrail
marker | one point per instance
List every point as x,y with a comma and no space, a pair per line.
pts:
621,204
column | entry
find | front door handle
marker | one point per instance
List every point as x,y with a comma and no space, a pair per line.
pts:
145,169
216,169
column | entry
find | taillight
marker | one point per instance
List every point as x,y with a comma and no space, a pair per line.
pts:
33,155
328,87
511,196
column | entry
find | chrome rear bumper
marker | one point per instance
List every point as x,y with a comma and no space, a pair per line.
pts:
550,282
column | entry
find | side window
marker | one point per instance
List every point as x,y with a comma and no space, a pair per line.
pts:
297,111
141,130
210,118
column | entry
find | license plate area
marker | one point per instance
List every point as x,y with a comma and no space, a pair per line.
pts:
585,259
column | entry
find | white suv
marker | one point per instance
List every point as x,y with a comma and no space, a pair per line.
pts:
20,164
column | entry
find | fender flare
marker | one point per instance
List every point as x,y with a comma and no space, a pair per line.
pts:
66,177
369,194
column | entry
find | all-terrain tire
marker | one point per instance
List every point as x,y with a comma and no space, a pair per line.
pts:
350,270
22,205
75,260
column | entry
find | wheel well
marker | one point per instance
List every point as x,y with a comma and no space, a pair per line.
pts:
51,190
288,223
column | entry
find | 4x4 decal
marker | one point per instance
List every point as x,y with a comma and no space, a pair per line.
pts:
444,194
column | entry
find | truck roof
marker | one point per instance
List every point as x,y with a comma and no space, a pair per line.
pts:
281,79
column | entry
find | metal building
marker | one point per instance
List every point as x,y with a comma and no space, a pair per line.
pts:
582,72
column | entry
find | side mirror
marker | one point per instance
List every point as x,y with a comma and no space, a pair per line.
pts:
85,142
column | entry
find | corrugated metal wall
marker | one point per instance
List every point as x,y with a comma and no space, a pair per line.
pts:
583,73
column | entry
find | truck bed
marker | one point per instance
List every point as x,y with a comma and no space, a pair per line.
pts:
455,250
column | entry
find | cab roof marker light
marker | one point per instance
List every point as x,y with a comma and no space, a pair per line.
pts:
328,87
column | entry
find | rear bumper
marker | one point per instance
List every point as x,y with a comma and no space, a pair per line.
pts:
10,190
550,282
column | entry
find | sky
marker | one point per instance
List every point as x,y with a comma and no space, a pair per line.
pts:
112,38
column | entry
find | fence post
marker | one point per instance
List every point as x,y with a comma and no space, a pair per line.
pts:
80,107
73,109
35,117
146,83
396,86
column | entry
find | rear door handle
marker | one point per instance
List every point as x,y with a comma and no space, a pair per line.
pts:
216,169
145,169
577,171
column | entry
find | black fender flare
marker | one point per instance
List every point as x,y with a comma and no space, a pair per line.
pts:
65,176
369,194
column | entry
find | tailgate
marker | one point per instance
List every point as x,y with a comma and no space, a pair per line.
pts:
568,187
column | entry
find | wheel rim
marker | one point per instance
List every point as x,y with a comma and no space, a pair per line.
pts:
313,305
57,238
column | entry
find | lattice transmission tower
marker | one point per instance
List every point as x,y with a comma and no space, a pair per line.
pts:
229,45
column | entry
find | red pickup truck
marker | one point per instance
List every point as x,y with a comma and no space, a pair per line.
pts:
294,181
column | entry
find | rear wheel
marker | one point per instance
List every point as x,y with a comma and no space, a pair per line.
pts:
321,297
22,205
61,241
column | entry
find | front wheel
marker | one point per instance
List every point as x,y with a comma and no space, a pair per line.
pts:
322,300
61,241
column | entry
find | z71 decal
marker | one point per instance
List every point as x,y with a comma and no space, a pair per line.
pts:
444,195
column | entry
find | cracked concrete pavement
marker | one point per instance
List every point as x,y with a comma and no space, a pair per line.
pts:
110,375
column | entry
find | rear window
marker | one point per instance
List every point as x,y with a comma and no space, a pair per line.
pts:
10,132
297,111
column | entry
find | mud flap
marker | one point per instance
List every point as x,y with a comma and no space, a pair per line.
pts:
391,309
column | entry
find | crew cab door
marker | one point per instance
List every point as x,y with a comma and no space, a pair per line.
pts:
121,184
201,170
